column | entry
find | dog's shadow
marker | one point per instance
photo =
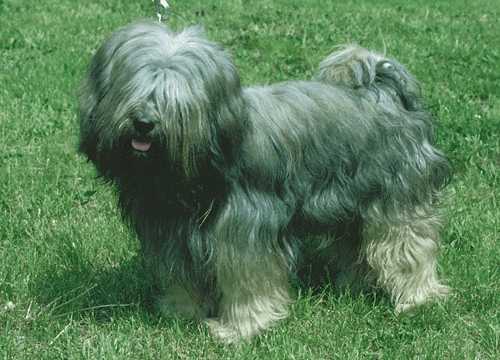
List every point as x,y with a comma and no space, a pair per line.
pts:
107,293
98,293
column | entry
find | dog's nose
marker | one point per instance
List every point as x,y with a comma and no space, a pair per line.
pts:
143,126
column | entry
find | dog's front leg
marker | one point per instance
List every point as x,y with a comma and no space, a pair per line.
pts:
180,292
252,267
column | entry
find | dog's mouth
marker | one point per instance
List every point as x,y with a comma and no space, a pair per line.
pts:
140,145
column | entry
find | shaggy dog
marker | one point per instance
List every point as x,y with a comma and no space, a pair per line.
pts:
228,187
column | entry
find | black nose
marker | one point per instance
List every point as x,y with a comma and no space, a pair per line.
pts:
143,126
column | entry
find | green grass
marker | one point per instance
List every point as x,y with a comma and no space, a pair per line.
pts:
71,286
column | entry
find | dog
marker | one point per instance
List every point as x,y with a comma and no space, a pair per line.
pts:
229,187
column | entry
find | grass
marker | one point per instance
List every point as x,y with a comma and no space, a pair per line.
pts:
71,286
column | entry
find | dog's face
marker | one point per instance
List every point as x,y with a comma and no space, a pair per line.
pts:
155,101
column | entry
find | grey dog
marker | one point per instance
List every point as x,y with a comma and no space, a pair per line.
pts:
227,187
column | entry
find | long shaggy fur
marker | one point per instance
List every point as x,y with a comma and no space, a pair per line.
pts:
227,186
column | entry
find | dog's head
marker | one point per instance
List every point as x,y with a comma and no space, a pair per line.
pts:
152,100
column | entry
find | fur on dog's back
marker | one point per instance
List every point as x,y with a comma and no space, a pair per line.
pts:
303,123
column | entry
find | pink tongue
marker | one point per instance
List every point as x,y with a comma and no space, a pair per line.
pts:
140,146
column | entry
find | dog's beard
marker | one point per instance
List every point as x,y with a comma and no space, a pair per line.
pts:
132,157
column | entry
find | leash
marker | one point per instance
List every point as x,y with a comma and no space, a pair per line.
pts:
162,9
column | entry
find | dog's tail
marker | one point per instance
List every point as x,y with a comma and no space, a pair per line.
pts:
361,69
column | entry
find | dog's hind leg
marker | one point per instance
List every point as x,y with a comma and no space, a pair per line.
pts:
402,255
252,269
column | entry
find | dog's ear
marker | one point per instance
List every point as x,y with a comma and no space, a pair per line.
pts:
92,89
199,126
87,104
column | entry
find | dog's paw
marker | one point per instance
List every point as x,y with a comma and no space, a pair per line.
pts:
175,306
437,292
224,332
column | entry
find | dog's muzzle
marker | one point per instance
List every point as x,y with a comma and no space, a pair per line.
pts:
143,127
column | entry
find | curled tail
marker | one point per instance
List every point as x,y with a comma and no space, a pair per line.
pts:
361,69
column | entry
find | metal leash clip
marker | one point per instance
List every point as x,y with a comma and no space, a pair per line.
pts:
162,9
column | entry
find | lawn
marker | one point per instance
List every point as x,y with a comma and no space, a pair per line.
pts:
71,284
